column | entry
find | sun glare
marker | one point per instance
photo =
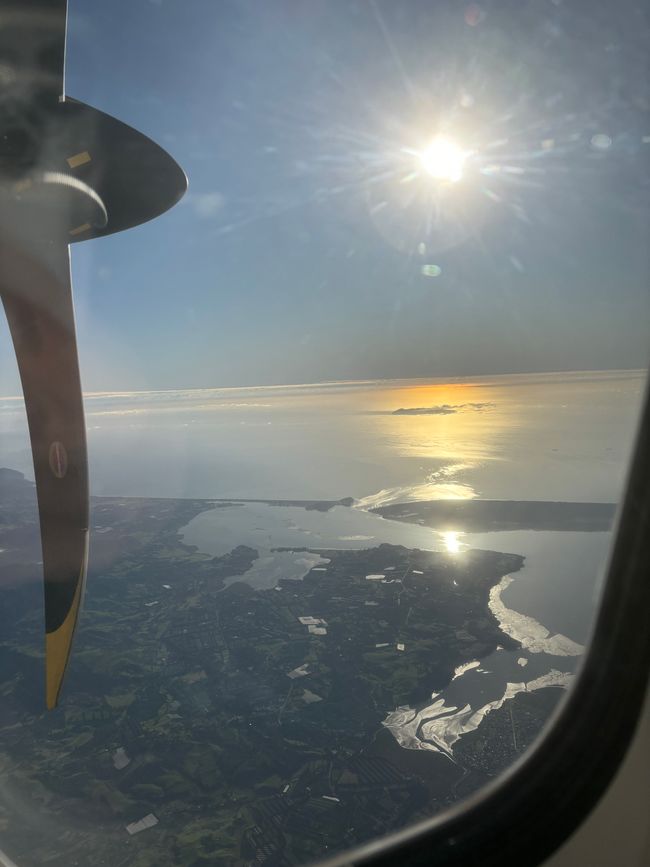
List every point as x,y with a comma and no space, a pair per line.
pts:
451,542
443,159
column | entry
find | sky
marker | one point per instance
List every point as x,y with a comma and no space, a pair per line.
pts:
313,245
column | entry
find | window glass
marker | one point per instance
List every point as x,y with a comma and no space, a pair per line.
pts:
359,411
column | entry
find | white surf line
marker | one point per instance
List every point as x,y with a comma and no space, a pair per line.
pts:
438,727
533,637
466,666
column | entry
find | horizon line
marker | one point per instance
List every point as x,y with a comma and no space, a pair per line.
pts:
338,382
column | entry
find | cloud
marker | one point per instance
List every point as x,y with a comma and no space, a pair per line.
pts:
206,205
443,409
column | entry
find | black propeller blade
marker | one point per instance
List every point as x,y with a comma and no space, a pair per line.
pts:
68,172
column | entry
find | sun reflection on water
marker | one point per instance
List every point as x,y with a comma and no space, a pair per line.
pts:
451,541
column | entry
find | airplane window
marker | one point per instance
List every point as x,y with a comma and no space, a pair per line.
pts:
359,408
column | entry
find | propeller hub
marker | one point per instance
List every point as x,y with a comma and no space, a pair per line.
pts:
49,206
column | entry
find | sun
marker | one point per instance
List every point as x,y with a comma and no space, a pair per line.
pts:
443,159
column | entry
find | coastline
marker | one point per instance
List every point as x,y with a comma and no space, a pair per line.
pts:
486,516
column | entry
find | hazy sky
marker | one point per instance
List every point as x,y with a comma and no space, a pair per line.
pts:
297,255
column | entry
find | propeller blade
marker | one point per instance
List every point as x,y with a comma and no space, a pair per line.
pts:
68,172
37,296
32,49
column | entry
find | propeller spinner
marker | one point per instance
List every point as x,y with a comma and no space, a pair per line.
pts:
68,172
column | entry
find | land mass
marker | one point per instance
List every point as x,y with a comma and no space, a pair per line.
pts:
247,721
484,516
441,409
309,505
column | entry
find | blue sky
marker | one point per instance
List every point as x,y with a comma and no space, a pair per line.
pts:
297,254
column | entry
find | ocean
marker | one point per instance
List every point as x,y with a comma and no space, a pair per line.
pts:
556,436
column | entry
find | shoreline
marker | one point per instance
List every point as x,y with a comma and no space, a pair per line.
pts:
485,516
470,516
